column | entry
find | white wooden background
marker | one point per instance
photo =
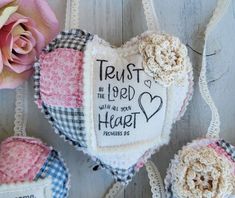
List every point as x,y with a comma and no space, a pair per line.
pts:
118,21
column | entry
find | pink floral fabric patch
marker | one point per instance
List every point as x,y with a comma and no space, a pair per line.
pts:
220,151
61,77
21,158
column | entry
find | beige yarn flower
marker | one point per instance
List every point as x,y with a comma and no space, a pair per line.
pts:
202,173
165,58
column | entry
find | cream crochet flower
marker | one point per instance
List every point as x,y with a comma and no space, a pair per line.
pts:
165,58
202,173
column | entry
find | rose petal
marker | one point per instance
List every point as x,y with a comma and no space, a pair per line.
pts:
39,37
41,13
6,10
28,35
6,39
6,43
11,80
20,63
1,62
17,30
5,2
16,67
17,18
22,45
30,25
16,61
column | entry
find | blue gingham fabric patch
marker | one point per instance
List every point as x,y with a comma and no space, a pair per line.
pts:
68,122
120,175
55,168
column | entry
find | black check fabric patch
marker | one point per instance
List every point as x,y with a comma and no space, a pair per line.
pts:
68,122
73,39
230,149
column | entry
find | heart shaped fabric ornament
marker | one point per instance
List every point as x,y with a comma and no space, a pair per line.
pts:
116,104
26,159
28,167
203,168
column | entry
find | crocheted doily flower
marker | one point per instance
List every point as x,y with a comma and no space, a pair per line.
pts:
201,173
165,58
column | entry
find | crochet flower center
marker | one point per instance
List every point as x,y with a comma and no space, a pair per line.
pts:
203,182
202,173
165,58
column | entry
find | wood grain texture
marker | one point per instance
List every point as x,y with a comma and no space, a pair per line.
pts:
117,21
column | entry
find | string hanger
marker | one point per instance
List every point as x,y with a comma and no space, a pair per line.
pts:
72,15
21,110
214,127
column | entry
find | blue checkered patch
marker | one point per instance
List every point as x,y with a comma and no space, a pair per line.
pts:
68,123
55,168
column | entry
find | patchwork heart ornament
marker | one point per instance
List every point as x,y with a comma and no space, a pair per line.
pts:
202,168
116,104
27,162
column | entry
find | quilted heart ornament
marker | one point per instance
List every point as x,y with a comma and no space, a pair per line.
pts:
116,104
203,168
26,159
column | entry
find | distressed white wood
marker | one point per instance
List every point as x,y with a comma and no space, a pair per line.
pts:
117,21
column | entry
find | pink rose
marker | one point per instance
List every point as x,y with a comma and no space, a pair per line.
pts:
26,26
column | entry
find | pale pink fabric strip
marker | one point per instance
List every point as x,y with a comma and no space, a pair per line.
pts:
62,87
12,168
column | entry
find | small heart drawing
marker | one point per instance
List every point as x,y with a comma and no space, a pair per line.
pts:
149,108
148,83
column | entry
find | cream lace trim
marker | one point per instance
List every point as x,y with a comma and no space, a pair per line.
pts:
155,182
21,109
115,190
214,127
150,14
72,15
